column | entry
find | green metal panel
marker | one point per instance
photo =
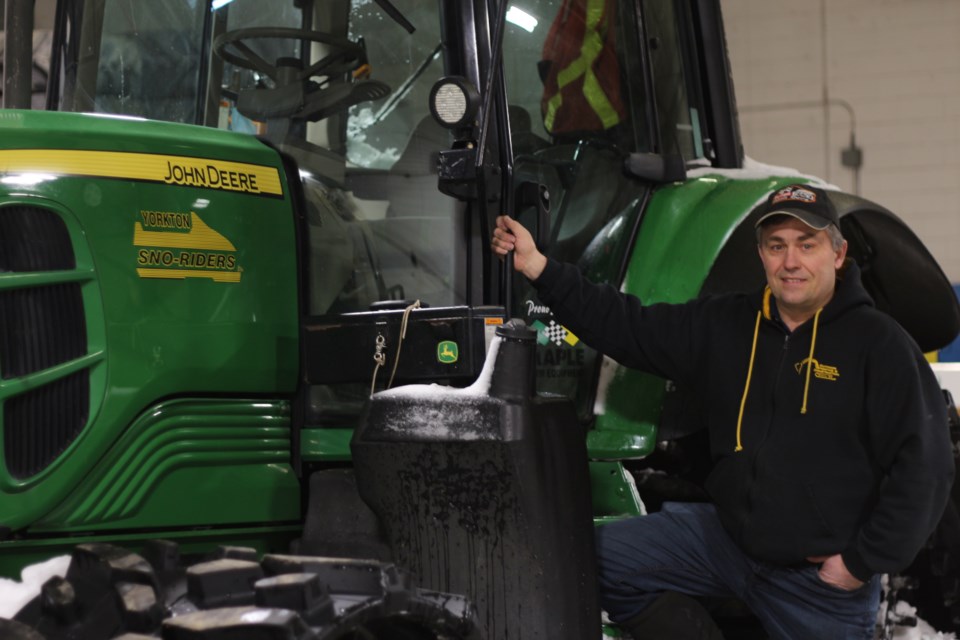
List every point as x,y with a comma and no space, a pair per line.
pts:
614,493
210,308
329,445
189,462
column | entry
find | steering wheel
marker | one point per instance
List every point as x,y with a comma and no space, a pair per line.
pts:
294,95
346,55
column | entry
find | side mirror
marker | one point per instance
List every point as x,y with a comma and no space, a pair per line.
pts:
656,168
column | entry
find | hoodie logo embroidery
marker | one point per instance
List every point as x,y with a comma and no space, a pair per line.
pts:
822,371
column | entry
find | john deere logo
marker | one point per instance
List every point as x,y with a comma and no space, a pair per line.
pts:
448,352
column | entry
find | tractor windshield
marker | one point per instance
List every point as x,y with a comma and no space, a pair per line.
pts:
338,85
203,62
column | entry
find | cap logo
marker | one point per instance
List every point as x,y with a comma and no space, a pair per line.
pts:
794,194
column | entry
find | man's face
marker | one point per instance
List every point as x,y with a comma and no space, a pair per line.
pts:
801,267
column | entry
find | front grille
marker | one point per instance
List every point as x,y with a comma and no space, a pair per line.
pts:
34,239
40,327
42,324
40,424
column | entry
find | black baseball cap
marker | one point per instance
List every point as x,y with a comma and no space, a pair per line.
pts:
808,204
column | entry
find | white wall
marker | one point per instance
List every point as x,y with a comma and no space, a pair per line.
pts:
896,63
44,12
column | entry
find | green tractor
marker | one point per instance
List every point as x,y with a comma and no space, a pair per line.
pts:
238,222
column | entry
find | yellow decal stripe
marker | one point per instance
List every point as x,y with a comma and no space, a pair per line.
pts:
181,274
150,167
201,236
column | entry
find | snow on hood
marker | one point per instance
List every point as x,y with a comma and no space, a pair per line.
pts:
754,170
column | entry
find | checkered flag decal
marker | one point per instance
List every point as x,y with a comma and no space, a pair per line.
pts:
555,333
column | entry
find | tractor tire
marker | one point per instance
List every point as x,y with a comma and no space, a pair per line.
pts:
111,592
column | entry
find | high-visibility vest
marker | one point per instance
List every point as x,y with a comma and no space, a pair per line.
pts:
582,83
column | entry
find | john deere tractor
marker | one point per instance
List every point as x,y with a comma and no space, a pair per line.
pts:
246,297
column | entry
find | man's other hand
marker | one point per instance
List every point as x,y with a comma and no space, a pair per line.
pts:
834,572
510,235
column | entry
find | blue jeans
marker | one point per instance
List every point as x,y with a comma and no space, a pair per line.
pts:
684,548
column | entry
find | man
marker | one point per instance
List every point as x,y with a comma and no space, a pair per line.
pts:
832,460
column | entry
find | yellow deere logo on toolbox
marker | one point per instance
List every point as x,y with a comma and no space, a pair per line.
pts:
448,352
822,371
180,245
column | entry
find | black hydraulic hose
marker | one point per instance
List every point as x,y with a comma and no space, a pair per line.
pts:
59,50
488,85
394,13
492,75
507,193
18,54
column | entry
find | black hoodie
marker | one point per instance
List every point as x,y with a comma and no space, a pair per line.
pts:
830,439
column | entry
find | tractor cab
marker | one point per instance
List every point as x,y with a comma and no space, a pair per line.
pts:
349,93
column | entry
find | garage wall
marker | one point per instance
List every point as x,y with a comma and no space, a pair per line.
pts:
891,67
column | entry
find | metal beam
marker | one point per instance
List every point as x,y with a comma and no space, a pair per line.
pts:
18,54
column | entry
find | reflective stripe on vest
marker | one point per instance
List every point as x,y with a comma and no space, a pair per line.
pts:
583,66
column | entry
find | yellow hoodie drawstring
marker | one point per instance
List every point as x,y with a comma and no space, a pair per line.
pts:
813,342
765,313
746,387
